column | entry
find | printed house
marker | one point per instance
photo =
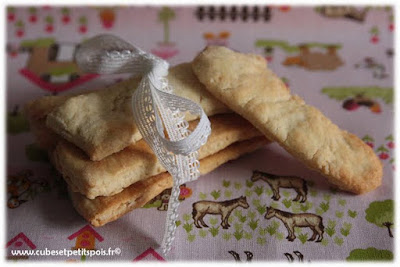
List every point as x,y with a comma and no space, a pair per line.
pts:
51,65
86,238
19,242
149,255
51,61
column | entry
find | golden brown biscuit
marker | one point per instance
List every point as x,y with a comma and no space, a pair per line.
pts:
245,84
111,175
102,210
101,123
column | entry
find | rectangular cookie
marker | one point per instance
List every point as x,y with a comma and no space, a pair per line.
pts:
245,84
101,122
102,210
36,112
136,162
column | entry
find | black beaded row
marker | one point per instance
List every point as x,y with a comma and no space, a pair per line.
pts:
243,13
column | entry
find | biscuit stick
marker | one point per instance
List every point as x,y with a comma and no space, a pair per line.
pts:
245,84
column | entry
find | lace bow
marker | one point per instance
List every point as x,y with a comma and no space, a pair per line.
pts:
155,111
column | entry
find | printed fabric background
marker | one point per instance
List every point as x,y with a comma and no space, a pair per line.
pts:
339,59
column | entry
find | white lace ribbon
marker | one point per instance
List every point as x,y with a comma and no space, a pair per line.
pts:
155,110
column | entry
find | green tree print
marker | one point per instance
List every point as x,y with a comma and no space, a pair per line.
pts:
370,254
164,16
380,213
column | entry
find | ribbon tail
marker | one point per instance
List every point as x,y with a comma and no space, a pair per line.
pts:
172,216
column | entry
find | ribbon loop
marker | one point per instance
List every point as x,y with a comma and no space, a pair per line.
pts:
155,109
108,54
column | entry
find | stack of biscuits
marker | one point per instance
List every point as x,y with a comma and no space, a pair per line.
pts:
93,142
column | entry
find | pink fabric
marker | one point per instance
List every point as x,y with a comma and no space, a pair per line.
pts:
353,86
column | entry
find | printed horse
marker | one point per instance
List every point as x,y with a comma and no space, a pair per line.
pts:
276,182
291,220
223,208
